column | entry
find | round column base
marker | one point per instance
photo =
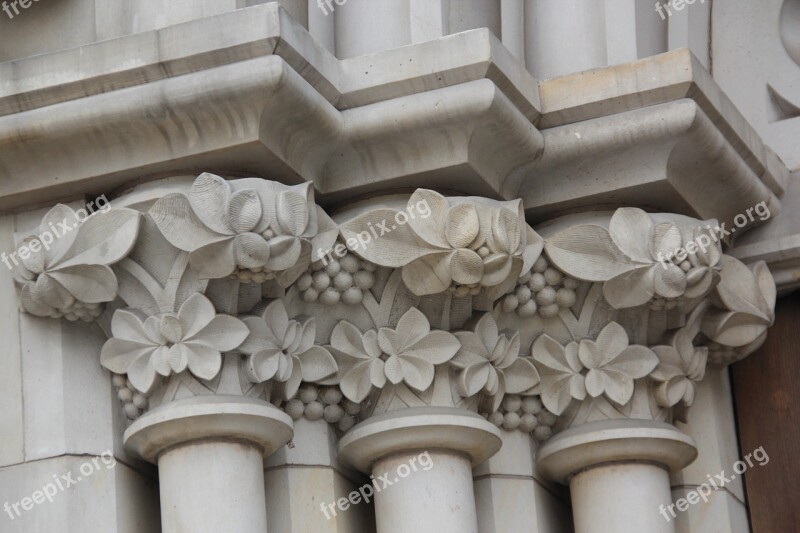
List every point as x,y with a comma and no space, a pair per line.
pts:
227,418
614,441
419,428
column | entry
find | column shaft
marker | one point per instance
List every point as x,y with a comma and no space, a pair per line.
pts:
200,494
621,498
437,500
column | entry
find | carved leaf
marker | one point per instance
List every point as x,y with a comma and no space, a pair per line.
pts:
103,239
629,229
394,249
587,252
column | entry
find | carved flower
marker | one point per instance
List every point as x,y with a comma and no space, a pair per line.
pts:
613,364
681,366
170,343
744,306
246,224
635,258
608,365
453,243
284,350
650,247
359,358
74,267
490,363
560,370
705,271
414,349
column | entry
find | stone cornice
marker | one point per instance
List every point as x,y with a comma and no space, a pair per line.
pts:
247,288
268,100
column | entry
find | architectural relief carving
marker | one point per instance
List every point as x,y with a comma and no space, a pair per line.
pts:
218,293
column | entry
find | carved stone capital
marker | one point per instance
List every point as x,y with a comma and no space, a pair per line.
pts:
246,287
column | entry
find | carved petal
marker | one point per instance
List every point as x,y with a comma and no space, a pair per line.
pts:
284,252
224,333
209,198
630,229
58,217
430,227
412,327
327,232
437,347
252,251
472,351
533,248
358,382
30,304
291,385
506,230
473,379
497,269
262,366
346,338
587,252
178,358
50,292
317,364
215,260
104,239
635,361
462,225
177,221
142,372
125,325
466,267
631,289
618,387
520,376
35,261
393,369
666,239
204,361
261,337
486,329
195,314
292,212
118,355
88,283
558,390
170,328
429,274
549,353
417,373
670,282
160,360
244,211
733,329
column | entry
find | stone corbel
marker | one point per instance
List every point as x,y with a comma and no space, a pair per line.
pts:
410,323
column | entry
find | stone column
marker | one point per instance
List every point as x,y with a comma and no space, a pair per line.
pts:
434,495
618,473
564,37
209,451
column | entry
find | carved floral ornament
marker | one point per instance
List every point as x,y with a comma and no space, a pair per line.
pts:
225,286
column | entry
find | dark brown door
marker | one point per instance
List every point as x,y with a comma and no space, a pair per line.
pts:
766,388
